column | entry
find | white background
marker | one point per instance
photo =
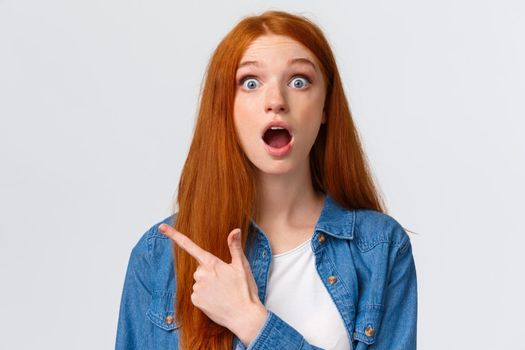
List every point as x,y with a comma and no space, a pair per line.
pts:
98,101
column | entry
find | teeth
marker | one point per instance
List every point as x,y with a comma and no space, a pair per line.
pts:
276,128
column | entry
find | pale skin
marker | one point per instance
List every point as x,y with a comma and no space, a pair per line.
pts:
277,86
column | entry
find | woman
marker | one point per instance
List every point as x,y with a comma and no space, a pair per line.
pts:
281,240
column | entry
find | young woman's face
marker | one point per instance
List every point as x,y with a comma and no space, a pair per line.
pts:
278,80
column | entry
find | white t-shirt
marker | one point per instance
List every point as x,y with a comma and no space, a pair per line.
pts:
296,294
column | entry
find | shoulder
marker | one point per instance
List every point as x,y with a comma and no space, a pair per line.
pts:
152,258
386,276
373,227
153,236
149,292
152,245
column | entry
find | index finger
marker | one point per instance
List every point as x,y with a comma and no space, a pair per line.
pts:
184,242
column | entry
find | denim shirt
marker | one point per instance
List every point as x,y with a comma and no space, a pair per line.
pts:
363,257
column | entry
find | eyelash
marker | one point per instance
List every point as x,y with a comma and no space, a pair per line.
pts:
249,76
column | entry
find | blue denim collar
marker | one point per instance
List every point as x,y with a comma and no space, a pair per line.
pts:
334,220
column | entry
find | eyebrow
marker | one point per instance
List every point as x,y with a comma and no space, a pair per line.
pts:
299,60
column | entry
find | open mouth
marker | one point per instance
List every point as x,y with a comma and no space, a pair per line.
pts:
277,137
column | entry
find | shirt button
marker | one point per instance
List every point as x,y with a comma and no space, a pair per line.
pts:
264,253
321,238
332,279
169,319
369,331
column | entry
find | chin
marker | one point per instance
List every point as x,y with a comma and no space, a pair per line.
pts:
276,167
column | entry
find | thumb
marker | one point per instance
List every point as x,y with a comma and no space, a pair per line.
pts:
235,245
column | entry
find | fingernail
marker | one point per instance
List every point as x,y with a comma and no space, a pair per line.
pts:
162,228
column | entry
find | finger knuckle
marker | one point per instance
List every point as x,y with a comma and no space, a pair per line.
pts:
210,260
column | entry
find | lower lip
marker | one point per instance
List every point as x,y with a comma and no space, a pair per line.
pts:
279,152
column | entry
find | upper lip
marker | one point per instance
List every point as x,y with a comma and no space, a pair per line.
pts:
280,123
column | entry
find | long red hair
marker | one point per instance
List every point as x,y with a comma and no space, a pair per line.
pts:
217,191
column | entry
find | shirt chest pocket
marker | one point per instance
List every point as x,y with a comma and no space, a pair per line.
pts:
368,321
161,310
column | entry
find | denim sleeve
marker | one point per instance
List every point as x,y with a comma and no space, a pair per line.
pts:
136,296
399,323
277,334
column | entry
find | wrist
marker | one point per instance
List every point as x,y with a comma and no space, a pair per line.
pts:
250,323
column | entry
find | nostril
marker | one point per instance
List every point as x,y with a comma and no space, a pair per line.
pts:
276,110
276,105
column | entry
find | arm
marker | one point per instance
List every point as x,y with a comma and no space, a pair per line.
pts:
399,324
136,296
277,334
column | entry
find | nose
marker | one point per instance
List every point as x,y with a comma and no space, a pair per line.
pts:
275,100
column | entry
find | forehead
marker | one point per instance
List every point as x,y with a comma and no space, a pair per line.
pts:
275,48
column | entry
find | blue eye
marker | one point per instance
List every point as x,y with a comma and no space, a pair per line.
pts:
300,82
249,83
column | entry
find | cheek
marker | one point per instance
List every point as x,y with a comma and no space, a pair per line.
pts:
239,109
310,108
244,106
245,123
311,116
317,102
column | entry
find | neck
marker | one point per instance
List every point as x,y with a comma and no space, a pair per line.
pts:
288,198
